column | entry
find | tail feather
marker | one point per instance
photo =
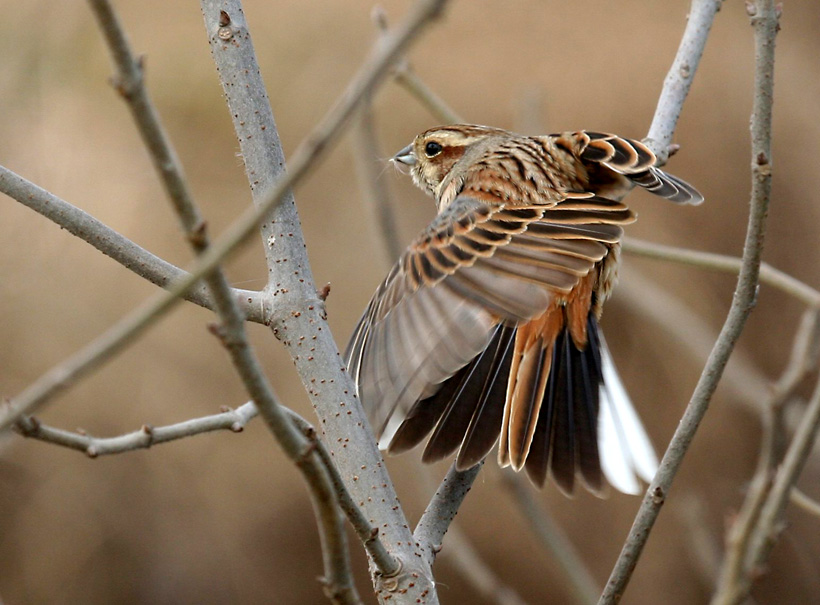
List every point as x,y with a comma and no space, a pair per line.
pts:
583,428
626,452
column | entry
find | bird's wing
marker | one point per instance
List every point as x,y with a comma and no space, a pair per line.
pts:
475,266
635,161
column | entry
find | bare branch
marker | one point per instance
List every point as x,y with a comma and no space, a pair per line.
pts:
801,500
407,78
583,586
388,565
300,448
739,565
367,156
442,509
742,304
298,318
112,244
680,75
143,438
763,534
729,264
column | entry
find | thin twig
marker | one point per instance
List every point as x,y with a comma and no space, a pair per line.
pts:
436,105
442,509
763,535
720,262
143,438
737,570
404,75
407,78
233,420
767,529
367,157
112,244
583,586
742,304
810,505
463,555
339,584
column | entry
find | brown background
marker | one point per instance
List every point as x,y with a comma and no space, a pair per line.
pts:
223,517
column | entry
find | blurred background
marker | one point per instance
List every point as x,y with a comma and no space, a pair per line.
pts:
224,517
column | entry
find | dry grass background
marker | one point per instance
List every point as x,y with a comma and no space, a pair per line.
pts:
224,518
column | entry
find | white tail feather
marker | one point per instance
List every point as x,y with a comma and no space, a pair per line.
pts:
624,447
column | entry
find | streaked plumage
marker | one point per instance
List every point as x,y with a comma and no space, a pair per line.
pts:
486,328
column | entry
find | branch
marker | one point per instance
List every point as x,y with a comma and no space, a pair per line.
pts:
680,76
764,534
729,264
734,578
742,304
407,78
367,156
442,509
233,420
298,319
112,244
143,438
386,563
801,500
301,449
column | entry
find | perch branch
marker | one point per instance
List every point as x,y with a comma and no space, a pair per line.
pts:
442,509
742,304
298,318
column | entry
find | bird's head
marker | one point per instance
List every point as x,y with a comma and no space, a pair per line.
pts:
436,156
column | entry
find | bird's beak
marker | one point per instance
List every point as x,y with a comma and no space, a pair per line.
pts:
406,156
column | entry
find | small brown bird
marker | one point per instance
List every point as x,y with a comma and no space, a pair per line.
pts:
486,329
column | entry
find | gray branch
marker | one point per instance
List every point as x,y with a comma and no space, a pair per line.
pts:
339,585
680,76
742,305
298,319
442,509
112,244
143,438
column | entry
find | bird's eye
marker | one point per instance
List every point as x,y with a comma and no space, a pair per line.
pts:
432,149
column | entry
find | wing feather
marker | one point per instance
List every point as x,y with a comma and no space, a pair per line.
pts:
476,266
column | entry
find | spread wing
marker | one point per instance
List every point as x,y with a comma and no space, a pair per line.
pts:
477,265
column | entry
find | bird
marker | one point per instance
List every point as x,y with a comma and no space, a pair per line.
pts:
486,329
